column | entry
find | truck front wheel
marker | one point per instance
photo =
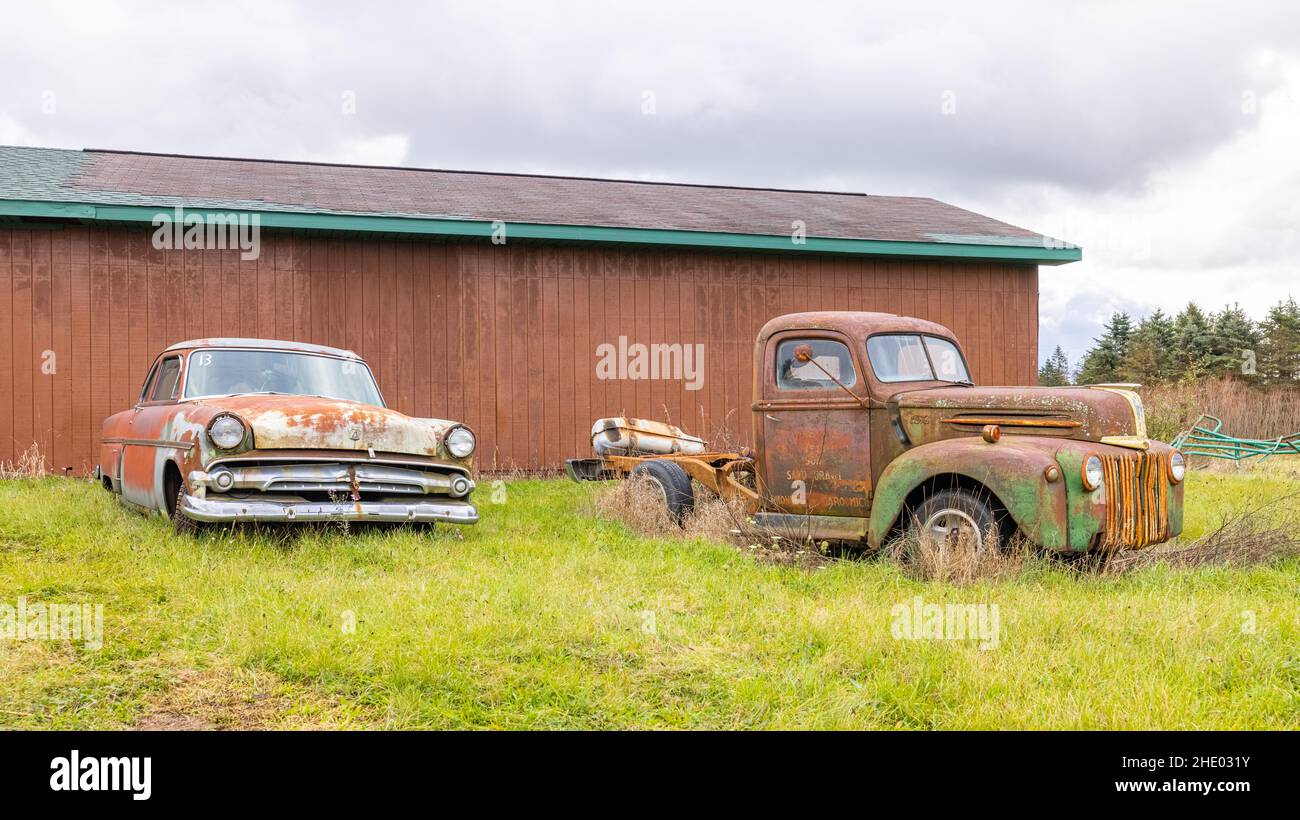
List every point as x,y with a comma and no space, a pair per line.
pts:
672,481
958,516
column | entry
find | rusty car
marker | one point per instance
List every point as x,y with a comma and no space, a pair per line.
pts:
253,430
867,426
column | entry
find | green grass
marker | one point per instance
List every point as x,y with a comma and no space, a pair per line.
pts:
545,617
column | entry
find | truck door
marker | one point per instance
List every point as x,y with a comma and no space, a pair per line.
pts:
813,437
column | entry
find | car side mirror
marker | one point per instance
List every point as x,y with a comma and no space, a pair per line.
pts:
803,353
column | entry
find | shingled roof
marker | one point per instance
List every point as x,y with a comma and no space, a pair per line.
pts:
125,186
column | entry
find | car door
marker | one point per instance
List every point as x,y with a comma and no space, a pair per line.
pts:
146,448
814,449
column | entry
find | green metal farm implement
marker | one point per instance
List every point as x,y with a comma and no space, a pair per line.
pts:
1206,438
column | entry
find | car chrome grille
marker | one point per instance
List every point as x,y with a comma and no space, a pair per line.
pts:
356,480
1137,501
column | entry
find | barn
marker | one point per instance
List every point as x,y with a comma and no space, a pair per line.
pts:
516,303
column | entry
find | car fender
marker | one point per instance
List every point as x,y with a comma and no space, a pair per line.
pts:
110,464
1014,470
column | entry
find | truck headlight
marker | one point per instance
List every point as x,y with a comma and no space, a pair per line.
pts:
1093,476
460,441
227,431
1177,467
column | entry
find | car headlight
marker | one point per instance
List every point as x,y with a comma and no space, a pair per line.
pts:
1093,475
1177,467
227,431
460,442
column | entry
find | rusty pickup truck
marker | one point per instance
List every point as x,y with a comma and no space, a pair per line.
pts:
867,425
234,430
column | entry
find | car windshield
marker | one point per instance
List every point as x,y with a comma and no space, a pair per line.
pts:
913,358
231,372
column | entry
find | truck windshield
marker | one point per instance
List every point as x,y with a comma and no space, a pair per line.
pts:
914,358
231,372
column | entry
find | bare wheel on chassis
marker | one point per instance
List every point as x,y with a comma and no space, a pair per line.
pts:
674,484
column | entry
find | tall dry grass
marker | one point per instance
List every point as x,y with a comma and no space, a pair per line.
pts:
1263,533
1247,411
30,463
958,561
638,503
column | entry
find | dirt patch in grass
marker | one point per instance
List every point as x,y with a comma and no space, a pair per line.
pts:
235,698
171,722
786,552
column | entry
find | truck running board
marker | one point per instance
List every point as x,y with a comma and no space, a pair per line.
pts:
802,527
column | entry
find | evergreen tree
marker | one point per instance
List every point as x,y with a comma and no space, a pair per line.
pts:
1234,343
1055,372
1104,362
1192,331
1150,358
1279,347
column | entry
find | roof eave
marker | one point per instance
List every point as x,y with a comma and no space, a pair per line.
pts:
418,225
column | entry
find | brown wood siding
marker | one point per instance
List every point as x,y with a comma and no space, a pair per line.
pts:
502,338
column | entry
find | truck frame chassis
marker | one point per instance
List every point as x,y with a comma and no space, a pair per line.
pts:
718,472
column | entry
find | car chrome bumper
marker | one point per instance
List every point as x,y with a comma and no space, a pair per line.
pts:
330,477
238,509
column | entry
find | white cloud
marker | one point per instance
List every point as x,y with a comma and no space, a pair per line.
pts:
13,133
390,149
1218,228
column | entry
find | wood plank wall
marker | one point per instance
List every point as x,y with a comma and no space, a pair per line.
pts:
503,338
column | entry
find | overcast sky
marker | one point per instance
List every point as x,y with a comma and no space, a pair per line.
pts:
1164,139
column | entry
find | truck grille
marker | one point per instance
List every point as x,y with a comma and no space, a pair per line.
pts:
1137,501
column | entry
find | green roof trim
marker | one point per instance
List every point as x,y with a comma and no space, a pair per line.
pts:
384,224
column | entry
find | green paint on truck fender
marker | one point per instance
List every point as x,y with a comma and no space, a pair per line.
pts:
1012,470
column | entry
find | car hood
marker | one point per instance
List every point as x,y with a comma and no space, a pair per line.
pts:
1106,413
314,423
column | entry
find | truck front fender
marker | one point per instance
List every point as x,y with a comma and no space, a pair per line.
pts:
1014,470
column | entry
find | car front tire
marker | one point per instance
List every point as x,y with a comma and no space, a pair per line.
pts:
182,524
